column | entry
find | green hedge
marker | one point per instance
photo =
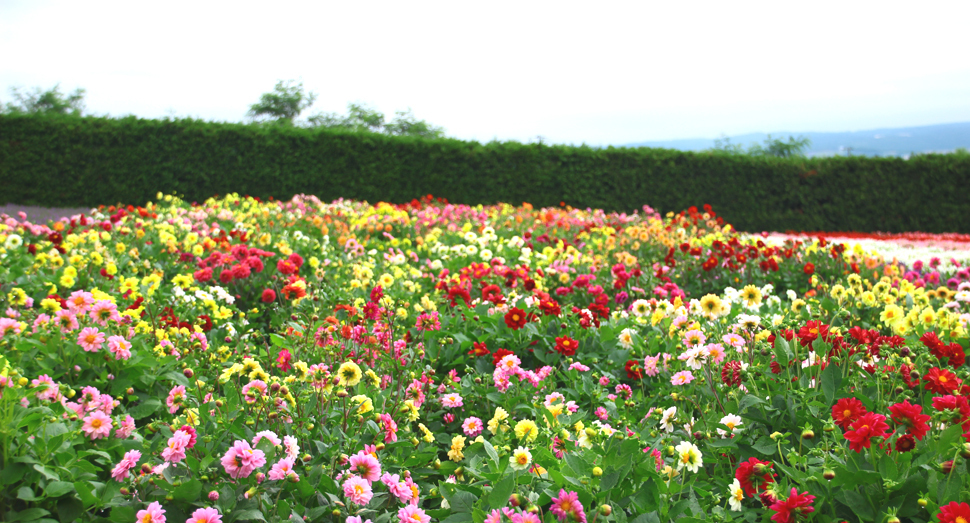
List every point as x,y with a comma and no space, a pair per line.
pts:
71,161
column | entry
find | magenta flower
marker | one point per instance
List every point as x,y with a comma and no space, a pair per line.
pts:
366,465
241,460
412,514
682,378
567,507
153,514
175,398
120,347
472,426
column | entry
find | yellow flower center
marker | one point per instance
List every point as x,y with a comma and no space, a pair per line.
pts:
96,423
943,379
846,413
522,459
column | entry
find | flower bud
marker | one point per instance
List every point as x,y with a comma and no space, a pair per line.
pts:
808,434
188,373
597,472
828,474
516,500
606,510
946,467
213,496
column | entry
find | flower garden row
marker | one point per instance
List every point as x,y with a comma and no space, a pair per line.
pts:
241,360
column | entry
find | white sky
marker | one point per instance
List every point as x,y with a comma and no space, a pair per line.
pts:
573,72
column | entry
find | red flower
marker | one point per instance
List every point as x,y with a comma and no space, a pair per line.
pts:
566,346
932,342
905,443
479,349
376,294
754,475
286,267
847,410
954,512
941,381
809,268
550,307
795,504
515,318
811,331
268,295
499,354
959,407
731,373
910,416
870,425
493,293
634,370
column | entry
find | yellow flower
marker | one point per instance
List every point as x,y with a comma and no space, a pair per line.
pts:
50,305
457,445
364,404
751,295
526,429
891,315
349,373
428,436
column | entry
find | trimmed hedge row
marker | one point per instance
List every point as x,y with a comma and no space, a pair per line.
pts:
72,161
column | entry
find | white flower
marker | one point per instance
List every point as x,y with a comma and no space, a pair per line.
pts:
13,241
735,495
731,421
520,459
688,456
667,419
626,338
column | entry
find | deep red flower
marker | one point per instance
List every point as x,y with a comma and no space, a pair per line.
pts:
932,342
958,405
809,268
754,475
795,504
269,295
811,331
479,349
376,294
941,381
550,307
499,354
286,267
847,410
905,443
731,373
870,425
634,370
566,346
911,417
954,512
515,318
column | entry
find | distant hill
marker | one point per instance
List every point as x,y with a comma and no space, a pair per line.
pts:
901,141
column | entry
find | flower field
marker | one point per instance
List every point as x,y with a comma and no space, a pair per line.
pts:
243,360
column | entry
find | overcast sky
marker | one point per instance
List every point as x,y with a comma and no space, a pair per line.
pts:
584,72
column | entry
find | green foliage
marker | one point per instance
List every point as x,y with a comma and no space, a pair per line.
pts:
794,147
58,161
51,101
361,118
283,105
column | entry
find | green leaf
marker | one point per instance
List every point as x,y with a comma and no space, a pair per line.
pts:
29,514
188,491
831,381
145,408
613,478
48,473
782,352
462,501
249,515
490,450
650,517
501,491
57,489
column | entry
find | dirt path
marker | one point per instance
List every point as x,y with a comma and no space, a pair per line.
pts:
41,214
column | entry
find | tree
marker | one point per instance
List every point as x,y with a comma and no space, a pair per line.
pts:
723,145
363,118
283,105
51,101
781,149
405,124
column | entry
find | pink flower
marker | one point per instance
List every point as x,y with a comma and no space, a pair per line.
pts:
412,514
127,463
283,469
604,381
356,519
102,311
366,465
268,434
472,426
80,301
66,320
97,425
90,339
682,378
390,428
120,347
153,514
578,366
567,506
602,414
205,515
175,450
358,490
51,390
126,427
290,447
175,398
452,401
398,488
241,460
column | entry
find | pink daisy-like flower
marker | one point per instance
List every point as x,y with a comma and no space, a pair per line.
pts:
127,463
52,390
97,425
241,460
682,378
715,351
205,515
472,426
175,398
390,428
126,427
366,465
102,311
290,447
120,347
412,514
90,339
578,366
80,301
358,490
175,449
268,434
66,320
452,400
567,506
153,514
283,469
